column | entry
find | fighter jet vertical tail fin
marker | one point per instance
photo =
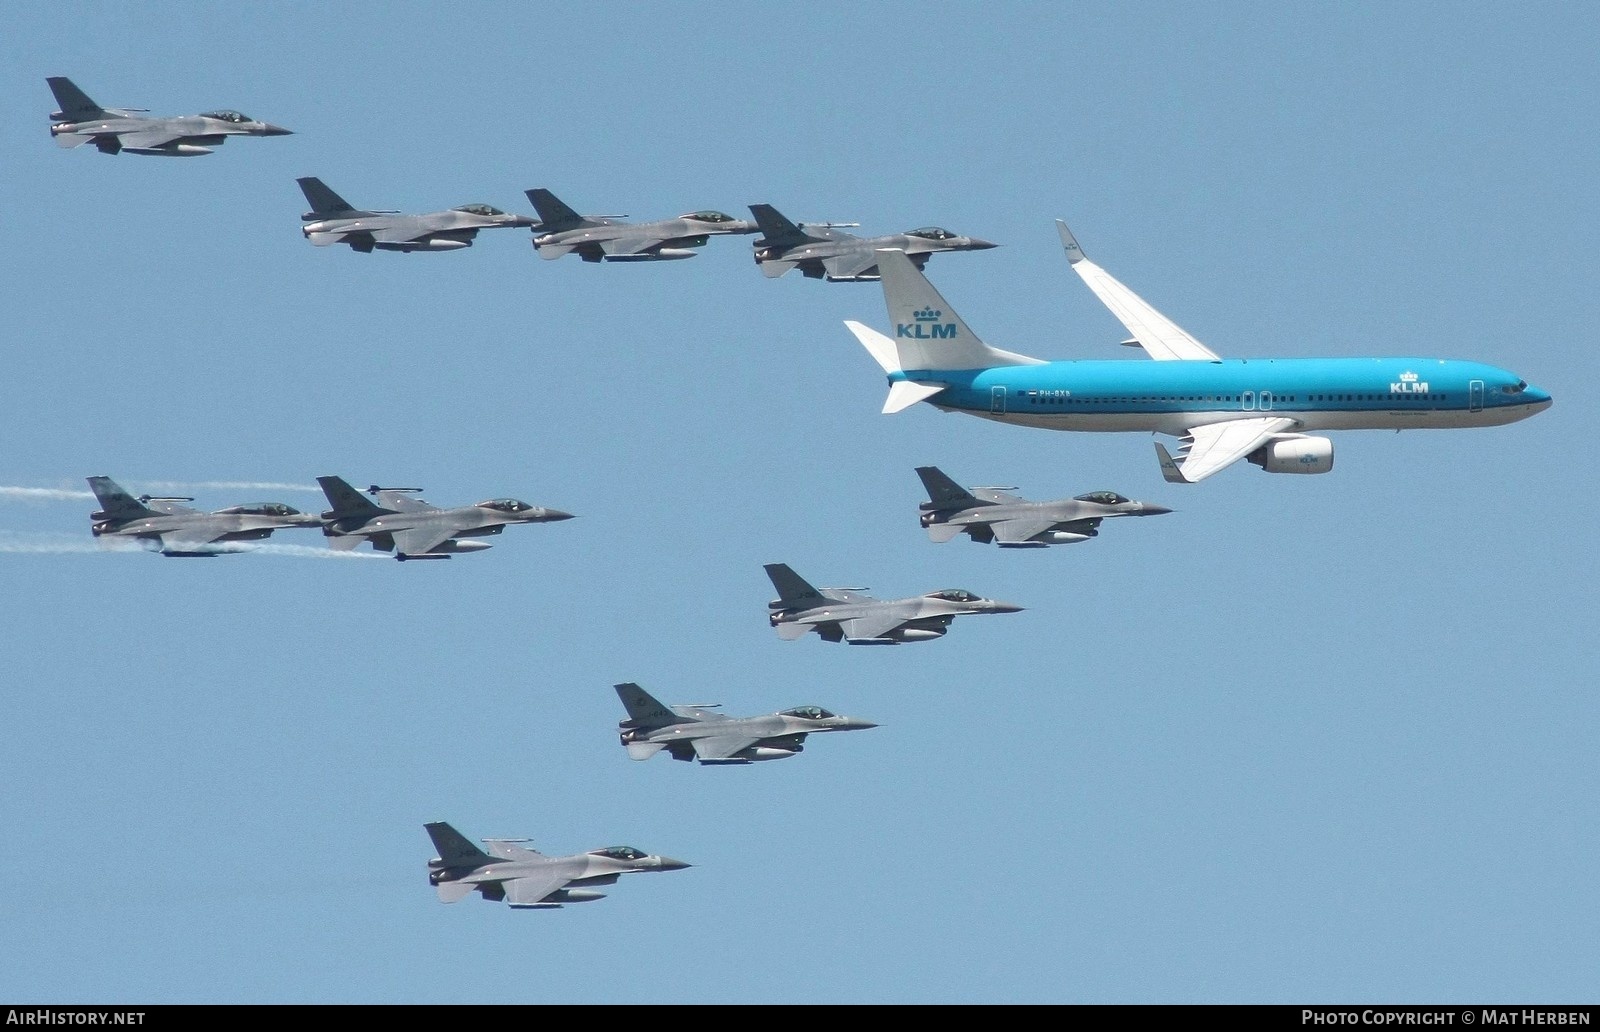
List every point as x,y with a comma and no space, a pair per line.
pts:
75,104
928,334
323,201
453,847
551,209
791,586
116,503
774,224
644,708
346,500
943,492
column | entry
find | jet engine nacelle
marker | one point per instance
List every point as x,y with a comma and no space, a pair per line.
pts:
1294,453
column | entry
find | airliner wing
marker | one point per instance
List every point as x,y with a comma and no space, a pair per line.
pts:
1161,338
1215,446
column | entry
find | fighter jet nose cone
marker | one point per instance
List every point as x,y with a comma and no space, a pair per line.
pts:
1154,510
980,244
862,725
1006,607
277,130
556,515
669,864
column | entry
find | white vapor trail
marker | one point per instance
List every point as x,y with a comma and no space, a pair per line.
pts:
227,485
44,494
60,544
61,494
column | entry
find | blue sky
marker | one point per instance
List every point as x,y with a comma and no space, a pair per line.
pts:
1306,739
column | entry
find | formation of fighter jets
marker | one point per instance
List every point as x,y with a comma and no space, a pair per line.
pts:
164,526
1268,412
846,614
988,514
826,251
80,120
333,220
525,878
390,520
699,733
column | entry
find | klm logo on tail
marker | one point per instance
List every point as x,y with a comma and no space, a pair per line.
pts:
926,326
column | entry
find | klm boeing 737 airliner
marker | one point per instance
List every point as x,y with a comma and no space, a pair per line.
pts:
1223,410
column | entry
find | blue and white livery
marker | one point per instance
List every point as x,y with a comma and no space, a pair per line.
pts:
1222,410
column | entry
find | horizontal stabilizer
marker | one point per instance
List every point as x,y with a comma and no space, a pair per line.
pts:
644,750
550,252
451,891
774,269
942,532
791,631
881,348
905,393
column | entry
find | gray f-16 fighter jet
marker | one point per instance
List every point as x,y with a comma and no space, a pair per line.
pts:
413,529
824,251
332,220
113,130
527,879
988,514
845,614
162,525
697,733
611,238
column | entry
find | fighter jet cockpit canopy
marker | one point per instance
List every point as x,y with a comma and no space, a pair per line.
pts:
954,595
1103,497
478,209
504,505
619,853
259,509
932,233
228,116
808,712
707,216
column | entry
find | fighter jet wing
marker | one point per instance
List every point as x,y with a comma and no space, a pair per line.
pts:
1215,446
525,892
869,626
721,747
1160,337
421,540
191,540
847,265
167,508
630,245
149,138
1014,532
